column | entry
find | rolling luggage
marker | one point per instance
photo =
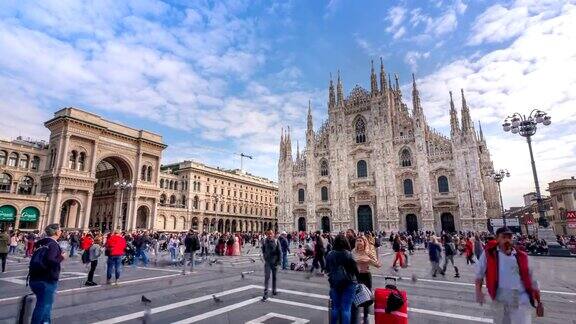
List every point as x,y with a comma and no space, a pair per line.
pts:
390,304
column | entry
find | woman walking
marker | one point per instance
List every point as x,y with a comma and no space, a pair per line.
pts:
13,243
365,256
342,273
94,252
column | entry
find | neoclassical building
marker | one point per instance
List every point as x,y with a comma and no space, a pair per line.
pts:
376,165
74,179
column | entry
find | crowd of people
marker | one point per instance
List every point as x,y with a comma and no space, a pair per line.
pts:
347,258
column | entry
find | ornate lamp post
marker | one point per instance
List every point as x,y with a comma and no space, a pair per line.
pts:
498,177
122,185
526,126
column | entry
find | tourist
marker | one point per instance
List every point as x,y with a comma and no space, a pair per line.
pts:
13,242
469,250
319,254
478,246
434,255
271,255
509,280
74,243
449,251
192,244
141,243
4,247
399,255
115,246
94,252
30,240
236,245
365,256
173,246
285,248
44,273
342,273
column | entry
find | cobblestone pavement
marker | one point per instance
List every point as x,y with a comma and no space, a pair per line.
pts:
228,290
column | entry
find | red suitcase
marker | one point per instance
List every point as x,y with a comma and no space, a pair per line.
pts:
396,317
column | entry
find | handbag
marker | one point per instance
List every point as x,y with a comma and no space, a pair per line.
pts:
363,296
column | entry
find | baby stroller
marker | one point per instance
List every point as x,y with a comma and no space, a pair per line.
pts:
303,257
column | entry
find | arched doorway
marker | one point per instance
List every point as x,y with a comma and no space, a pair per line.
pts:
206,225
220,226
110,200
325,224
29,218
142,215
411,223
234,225
447,221
302,224
70,214
227,226
195,223
365,218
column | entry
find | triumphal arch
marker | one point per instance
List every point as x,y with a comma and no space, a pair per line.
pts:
100,174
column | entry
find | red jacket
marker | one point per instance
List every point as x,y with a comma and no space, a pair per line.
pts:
469,248
492,272
115,245
86,242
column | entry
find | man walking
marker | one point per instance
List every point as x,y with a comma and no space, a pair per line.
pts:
449,251
4,247
115,246
285,249
192,244
509,281
141,245
44,273
271,256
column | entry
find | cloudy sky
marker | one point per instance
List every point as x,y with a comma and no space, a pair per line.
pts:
217,77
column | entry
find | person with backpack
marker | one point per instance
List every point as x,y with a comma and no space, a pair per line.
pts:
319,254
434,255
285,248
449,251
342,273
141,243
44,273
4,247
115,246
94,252
271,255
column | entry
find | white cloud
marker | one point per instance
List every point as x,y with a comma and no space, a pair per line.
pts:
530,73
412,57
395,17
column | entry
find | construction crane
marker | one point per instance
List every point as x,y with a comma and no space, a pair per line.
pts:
242,155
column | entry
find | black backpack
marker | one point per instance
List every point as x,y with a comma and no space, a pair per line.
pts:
394,301
86,257
339,278
37,261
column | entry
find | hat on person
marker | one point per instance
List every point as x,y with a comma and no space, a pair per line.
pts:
504,230
283,232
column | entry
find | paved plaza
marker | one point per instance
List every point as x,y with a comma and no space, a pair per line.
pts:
229,290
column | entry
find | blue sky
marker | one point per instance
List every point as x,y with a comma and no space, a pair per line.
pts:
215,77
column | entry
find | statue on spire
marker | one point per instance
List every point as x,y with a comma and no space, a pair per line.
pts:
454,124
466,120
310,126
339,91
383,85
331,95
416,107
373,81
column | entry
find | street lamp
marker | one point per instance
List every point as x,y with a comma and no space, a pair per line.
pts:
122,185
498,177
526,126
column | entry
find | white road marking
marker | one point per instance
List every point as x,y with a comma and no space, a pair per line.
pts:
263,319
92,287
159,269
472,285
218,311
21,280
293,303
164,308
10,271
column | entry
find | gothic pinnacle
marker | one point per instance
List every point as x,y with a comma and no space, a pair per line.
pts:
373,81
466,121
383,85
339,91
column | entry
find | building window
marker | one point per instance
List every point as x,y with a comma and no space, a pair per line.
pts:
443,184
324,193
3,156
408,187
207,188
13,159
81,161
162,199
324,168
196,202
161,183
26,185
172,200
184,201
360,130
300,195
5,182
149,174
361,169
143,173
35,163
24,161
72,160
176,185
405,158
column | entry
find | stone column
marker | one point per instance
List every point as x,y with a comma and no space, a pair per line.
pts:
153,215
63,152
87,211
17,221
131,210
57,206
94,160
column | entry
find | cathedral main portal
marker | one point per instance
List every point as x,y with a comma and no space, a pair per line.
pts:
365,218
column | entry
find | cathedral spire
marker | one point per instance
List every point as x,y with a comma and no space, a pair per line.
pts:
397,82
310,126
383,86
297,150
389,82
454,124
466,121
416,107
339,91
331,95
373,81
282,146
481,133
288,145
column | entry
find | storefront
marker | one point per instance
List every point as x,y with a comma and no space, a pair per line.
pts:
7,217
29,218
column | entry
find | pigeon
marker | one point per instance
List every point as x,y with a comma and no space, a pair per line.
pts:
145,300
216,299
253,260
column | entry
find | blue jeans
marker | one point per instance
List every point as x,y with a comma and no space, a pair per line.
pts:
72,250
141,253
285,260
342,304
173,254
116,263
44,291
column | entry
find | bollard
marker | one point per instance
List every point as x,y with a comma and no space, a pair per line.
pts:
25,309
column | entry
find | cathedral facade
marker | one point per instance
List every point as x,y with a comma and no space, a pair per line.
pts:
376,165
